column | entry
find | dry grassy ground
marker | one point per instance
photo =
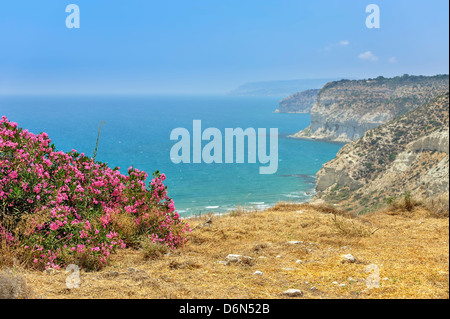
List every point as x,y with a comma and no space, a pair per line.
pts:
410,249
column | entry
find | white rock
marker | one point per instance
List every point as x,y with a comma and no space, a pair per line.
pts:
295,242
233,258
342,285
258,273
278,256
299,261
293,293
348,258
314,288
237,258
335,283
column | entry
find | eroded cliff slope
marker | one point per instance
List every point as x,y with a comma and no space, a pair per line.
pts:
407,154
345,109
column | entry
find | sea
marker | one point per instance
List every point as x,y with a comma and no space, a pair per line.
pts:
136,132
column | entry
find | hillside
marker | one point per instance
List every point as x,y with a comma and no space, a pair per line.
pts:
409,154
293,246
346,109
301,102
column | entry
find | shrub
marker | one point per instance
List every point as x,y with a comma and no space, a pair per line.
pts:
153,250
63,207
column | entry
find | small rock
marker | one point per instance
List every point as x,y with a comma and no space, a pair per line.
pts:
351,279
385,278
50,271
335,283
278,256
233,258
348,259
293,293
299,261
342,285
258,273
239,258
314,288
294,242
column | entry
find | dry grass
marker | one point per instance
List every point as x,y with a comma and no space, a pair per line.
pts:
412,253
13,286
438,207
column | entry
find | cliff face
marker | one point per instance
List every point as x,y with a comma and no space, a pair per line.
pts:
409,153
346,109
301,102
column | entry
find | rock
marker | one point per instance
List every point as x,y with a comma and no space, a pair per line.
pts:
233,258
314,288
50,271
348,259
239,258
278,256
258,273
293,293
299,261
335,283
351,279
342,285
295,242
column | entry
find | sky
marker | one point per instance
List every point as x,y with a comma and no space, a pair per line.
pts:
213,46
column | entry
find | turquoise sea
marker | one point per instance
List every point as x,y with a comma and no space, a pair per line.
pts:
137,133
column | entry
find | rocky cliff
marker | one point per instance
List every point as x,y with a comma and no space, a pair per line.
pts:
301,102
346,109
407,154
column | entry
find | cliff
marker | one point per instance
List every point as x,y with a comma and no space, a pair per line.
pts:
301,102
346,109
407,154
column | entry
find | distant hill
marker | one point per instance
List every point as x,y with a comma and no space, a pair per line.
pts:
301,102
279,88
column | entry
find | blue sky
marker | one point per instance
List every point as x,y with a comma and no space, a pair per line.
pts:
212,46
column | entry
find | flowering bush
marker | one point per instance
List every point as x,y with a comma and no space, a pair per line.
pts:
60,208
